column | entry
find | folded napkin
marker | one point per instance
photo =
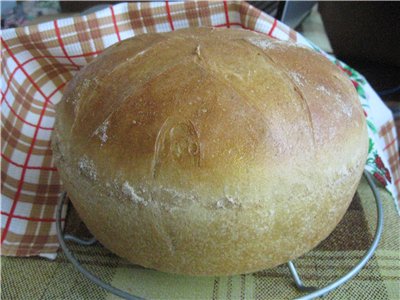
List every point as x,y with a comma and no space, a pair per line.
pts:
37,62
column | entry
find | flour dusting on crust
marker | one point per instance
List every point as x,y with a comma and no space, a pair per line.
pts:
227,202
87,167
323,90
261,43
264,43
130,192
297,78
101,132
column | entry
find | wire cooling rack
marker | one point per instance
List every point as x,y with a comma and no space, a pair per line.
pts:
310,292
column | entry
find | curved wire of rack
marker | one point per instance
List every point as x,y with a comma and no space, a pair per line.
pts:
313,292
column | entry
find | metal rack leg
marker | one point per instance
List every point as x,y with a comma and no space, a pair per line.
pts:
72,238
297,281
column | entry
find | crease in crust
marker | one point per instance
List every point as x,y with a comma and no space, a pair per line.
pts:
224,82
163,231
138,54
296,87
121,63
116,106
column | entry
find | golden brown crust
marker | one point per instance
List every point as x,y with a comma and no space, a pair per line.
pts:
210,151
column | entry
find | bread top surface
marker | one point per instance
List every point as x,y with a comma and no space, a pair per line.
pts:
210,113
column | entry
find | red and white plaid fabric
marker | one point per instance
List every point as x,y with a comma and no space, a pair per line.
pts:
389,138
37,62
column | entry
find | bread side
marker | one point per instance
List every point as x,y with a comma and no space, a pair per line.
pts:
209,151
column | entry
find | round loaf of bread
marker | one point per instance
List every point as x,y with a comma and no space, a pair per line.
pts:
210,151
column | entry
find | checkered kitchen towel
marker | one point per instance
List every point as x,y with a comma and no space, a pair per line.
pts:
37,62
